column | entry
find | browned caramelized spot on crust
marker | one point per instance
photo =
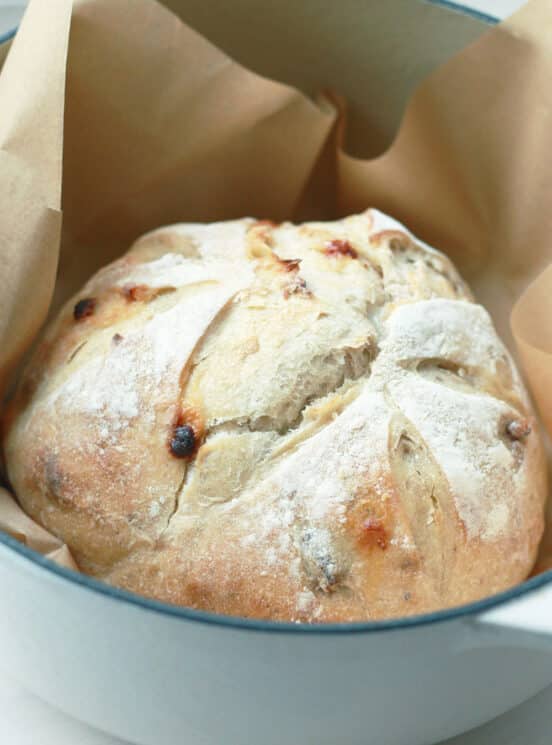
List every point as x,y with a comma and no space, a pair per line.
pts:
518,429
289,265
371,522
136,293
84,308
143,293
374,532
267,223
371,519
187,432
338,247
117,339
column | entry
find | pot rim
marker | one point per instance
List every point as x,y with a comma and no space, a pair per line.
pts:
458,7
6,36
189,614
252,624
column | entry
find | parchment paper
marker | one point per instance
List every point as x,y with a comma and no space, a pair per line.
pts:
131,120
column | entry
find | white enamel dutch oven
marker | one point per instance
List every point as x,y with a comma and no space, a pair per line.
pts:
160,675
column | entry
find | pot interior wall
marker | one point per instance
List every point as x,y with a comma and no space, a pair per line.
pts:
373,53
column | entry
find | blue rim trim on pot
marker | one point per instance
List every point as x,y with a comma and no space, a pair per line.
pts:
190,614
7,35
459,8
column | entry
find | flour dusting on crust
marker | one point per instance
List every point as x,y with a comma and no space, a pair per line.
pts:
357,441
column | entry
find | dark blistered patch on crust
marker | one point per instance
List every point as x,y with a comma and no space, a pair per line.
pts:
84,308
183,441
187,432
338,247
54,479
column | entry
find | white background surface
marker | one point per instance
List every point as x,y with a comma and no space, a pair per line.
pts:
24,720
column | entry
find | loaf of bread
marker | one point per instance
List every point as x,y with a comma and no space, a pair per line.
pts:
310,423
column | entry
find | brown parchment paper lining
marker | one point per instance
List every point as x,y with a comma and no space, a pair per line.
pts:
138,124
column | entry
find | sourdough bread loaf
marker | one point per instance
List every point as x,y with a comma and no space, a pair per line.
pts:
311,423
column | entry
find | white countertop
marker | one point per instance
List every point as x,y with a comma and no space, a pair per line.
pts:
25,720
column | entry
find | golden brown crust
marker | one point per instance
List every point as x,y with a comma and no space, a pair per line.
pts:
352,439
